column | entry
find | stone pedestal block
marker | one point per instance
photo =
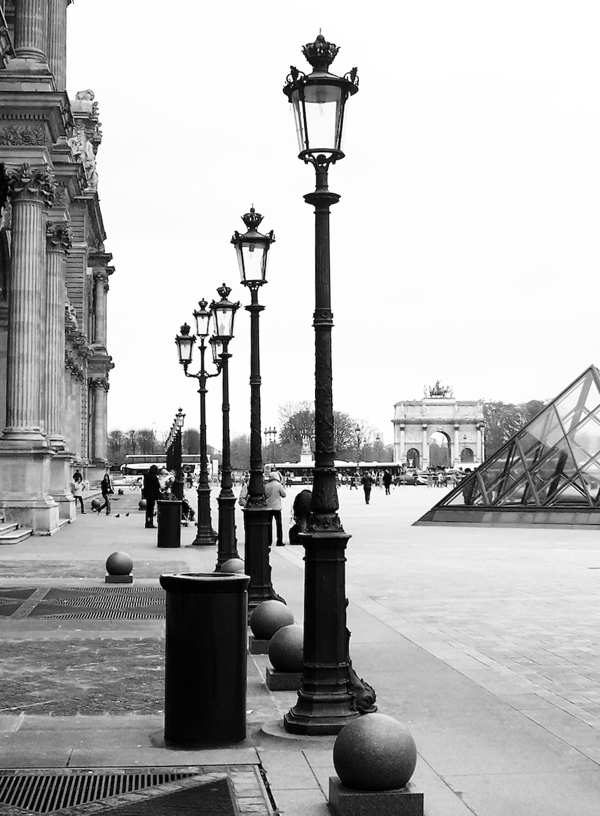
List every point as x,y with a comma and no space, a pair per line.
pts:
345,801
258,646
283,681
24,489
60,474
118,579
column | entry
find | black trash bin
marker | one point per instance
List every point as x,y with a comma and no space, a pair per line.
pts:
205,658
169,523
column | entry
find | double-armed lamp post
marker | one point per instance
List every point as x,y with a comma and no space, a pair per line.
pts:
252,248
205,535
219,318
331,695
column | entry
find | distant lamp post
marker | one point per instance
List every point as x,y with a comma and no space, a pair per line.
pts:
270,439
223,314
358,443
205,535
331,694
252,248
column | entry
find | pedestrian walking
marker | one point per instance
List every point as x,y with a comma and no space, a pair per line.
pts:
106,489
151,493
387,481
367,483
274,492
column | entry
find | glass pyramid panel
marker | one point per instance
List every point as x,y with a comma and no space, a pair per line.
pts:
585,440
553,461
591,478
571,494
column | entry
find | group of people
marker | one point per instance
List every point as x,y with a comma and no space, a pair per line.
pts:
274,493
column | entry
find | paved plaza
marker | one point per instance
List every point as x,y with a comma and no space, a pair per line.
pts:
483,641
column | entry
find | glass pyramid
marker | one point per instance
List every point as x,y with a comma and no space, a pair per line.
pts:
547,473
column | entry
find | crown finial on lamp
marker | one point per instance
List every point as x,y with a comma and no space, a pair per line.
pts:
320,53
252,219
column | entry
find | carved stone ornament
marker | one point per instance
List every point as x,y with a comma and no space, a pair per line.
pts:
59,236
26,181
438,391
23,135
83,150
100,382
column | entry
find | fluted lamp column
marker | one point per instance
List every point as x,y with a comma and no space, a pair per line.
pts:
252,248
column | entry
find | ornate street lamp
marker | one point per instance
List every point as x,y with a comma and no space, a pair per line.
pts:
252,250
205,535
331,695
270,439
223,314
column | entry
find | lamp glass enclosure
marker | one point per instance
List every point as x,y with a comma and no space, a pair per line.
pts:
223,314
319,113
252,255
185,345
202,317
216,345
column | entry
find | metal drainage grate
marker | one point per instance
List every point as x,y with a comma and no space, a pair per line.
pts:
110,603
44,793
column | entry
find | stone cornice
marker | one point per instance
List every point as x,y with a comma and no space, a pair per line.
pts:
26,181
48,108
99,382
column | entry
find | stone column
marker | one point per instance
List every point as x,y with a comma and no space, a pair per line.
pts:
57,41
58,243
100,446
30,30
24,452
402,457
456,445
30,188
479,450
425,454
102,287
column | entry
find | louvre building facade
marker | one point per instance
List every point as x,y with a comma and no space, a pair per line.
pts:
54,273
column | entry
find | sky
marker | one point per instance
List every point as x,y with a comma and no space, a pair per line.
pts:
465,244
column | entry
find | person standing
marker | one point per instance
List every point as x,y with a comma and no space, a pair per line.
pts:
274,492
387,481
77,491
152,493
367,483
106,488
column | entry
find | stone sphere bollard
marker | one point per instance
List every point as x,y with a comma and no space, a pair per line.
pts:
142,504
233,565
119,563
268,618
374,753
96,503
286,648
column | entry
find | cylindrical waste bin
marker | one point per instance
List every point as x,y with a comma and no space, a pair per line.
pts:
169,523
205,658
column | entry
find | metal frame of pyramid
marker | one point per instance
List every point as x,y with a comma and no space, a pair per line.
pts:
547,474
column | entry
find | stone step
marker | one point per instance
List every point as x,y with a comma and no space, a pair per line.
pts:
15,535
8,526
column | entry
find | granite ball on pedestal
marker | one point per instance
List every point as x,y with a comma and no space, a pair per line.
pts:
286,649
119,563
233,565
142,504
374,753
96,503
268,618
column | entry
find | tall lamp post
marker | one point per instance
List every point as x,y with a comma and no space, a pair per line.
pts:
223,314
330,696
252,248
205,535
173,447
